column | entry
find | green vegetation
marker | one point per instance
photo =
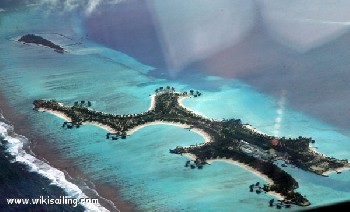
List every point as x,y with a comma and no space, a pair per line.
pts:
230,139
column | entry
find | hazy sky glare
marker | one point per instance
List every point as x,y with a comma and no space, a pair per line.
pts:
303,25
193,30
201,27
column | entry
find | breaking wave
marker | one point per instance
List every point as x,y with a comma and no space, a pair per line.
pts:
14,146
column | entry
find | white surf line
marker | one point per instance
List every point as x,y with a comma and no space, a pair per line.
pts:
57,177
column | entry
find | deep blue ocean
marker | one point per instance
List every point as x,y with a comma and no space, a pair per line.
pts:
140,166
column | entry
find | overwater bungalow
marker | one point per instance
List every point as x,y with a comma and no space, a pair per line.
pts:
251,187
114,136
68,124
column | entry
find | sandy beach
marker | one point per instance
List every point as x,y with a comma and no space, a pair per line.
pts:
153,102
105,127
66,118
205,135
56,113
181,98
266,178
314,149
247,126
326,173
346,168
250,127
242,165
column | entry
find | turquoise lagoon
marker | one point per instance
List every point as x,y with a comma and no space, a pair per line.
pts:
141,166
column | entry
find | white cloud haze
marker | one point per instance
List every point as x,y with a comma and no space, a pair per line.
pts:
88,6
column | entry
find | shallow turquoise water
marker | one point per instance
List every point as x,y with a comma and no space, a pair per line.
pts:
153,178
141,165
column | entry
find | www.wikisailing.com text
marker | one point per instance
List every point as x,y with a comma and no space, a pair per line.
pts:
46,200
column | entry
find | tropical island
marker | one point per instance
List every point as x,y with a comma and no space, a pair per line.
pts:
225,139
31,38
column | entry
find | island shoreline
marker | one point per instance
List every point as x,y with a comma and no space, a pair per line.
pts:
243,166
230,139
180,102
203,134
329,172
